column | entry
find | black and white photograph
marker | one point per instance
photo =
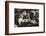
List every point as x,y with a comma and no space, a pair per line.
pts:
26,17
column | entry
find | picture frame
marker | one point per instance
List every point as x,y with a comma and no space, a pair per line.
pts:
18,7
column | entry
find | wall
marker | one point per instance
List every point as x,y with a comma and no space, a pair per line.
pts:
2,18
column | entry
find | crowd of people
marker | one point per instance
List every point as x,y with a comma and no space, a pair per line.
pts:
25,18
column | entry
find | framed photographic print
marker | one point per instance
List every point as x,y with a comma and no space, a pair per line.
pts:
24,17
